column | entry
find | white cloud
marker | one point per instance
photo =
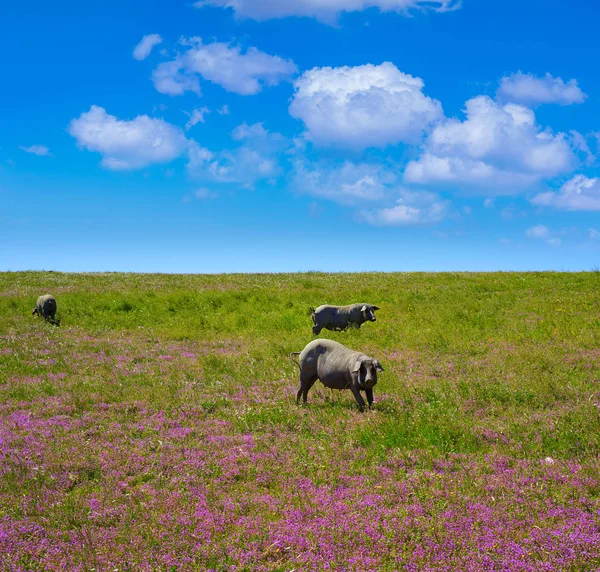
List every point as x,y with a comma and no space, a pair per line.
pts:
579,193
496,147
324,10
254,131
432,169
348,184
257,158
223,110
593,234
196,116
224,64
144,48
363,106
488,203
125,144
363,184
412,208
541,232
528,89
580,144
169,78
201,194
40,150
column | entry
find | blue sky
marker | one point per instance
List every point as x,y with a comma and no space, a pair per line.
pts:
286,135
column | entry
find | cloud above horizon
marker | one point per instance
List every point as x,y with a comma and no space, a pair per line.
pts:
411,208
242,72
363,106
530,90
327,11
127,144
372,189
542,232
348,184
580,193
497,147
257,157
196,116
144,48
40,150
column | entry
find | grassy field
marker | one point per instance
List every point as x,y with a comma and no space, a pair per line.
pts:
156,428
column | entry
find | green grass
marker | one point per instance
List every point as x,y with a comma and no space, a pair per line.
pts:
461,351
477,367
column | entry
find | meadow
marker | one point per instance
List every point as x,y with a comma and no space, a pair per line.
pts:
157,429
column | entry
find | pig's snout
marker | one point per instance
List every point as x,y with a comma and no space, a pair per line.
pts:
369,382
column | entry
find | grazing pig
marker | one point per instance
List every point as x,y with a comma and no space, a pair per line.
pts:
338,368
341,317
46,307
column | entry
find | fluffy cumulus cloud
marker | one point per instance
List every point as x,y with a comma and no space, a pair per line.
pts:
256,158
40,150
242,72
324,10
144,48
363,106
497,147
578,194
411,208
528,89
124,144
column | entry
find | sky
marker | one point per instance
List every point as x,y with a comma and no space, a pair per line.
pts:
298,135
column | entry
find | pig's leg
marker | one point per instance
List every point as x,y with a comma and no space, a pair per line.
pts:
304,387
358,397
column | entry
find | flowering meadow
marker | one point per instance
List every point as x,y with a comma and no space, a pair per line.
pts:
156,428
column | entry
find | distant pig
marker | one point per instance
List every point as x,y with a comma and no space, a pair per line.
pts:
338,368
46,307
341,317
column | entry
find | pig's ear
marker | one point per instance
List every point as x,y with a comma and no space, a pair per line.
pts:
378,366
364,309
357,366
